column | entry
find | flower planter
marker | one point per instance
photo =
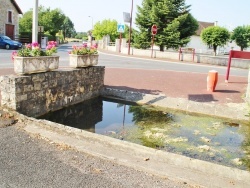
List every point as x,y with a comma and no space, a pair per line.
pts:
93,59
29,65
83,60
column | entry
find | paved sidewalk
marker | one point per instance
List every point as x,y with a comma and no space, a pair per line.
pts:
190,86
182,90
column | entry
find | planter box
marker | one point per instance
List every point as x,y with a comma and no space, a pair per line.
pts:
83,60
29,65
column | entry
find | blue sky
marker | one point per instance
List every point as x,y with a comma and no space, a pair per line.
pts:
228,13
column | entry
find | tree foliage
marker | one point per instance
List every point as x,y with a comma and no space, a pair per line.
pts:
107,27
175,24
82,35
68,28
25,23
52,20
241,36
215,36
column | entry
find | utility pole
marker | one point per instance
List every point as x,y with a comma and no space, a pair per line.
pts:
130,28
91,31
35,22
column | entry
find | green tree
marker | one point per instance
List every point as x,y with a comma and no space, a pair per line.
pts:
175,24
68,28
107,27
82,35
241,36
52,20
215,36
25,23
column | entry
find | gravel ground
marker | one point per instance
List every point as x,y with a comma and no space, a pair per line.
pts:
31,161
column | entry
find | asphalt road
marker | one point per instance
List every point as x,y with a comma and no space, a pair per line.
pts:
28,161
117,61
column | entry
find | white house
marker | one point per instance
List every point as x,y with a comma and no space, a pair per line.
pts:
201,47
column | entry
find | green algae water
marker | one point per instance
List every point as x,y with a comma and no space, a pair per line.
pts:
202,137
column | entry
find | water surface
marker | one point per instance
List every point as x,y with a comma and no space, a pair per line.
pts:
201,137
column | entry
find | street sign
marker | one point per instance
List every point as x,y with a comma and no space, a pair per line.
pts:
40,29
126,17
120,28
154,29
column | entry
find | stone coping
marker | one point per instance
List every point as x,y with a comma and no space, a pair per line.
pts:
161,163
167,165
234,111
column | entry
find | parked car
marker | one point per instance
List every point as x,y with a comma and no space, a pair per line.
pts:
7,43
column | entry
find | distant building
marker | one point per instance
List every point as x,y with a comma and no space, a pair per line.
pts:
9,18
201,47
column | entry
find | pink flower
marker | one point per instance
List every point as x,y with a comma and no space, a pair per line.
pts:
35,44
52,43
49,47
28,46
13,55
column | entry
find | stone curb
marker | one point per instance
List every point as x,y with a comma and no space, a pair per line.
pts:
172,166
234,111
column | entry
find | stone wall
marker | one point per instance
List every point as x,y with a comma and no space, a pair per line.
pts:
6,6
37,94
84,115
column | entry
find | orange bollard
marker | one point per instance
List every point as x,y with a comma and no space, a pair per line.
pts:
212,79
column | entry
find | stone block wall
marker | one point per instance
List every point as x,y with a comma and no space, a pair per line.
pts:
6,6
84,115
36,94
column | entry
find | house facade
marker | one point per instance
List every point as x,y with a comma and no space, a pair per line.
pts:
9,18
201,47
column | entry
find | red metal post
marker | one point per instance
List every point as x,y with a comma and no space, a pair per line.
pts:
193,54
235,54
229,65
180,54
120,43
152,46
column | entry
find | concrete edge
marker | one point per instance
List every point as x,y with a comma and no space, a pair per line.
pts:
174,166
181,166
233,111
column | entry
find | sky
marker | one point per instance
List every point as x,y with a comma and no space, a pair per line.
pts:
228,13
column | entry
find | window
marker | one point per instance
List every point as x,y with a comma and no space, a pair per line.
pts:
9,16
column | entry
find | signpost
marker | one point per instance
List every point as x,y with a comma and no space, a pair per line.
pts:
235,54
153,31
120,29
40,36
